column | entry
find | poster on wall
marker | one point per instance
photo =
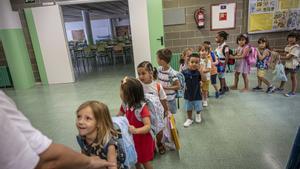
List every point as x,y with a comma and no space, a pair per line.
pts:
223,16
273,15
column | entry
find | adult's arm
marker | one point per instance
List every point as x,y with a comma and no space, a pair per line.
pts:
58,156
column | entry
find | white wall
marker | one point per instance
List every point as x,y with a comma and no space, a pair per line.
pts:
70,26
8,18
53,44
100,28
140,31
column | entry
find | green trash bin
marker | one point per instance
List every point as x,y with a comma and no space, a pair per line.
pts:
5,79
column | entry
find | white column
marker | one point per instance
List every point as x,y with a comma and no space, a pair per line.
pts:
138,13
8,18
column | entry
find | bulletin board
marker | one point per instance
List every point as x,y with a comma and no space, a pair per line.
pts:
223,16
273,15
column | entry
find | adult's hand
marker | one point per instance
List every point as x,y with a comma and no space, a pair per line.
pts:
97,163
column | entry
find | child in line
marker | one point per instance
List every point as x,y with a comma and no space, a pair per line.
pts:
213,71
97,136
183,58
264,56
132,95
146,73
223,54
192,93
241,65
205,67
167,77
292,51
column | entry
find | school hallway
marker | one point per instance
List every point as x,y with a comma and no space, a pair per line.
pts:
251,130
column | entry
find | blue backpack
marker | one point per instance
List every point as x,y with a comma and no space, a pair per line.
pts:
126,140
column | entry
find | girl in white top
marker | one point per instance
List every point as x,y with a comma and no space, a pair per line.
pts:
147,76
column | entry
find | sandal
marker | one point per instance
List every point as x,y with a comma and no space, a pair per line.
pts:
161,149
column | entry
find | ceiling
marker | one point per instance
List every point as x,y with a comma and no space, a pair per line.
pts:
100,10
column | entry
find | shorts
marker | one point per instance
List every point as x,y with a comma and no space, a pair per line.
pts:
221,75
205,85
261,72
213,79
288,70
196,105
172,106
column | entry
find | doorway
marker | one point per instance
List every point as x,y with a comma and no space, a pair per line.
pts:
99,37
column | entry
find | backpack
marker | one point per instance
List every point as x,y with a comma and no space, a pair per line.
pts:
252,56
180,91
125,140
230,61
156,113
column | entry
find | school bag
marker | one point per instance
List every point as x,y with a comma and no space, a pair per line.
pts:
252,56
180,77
125,140
230,61
156,113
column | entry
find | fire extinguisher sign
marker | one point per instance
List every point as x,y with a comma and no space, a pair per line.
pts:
223,16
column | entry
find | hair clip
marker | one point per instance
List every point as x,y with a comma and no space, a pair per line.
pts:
124,80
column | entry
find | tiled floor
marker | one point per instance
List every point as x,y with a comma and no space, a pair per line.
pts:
239,131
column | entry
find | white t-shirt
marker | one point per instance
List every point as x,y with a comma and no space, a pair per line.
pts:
207,64
165,77
152,89
293,62
20,143
219,52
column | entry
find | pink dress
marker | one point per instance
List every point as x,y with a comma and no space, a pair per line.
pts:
241,65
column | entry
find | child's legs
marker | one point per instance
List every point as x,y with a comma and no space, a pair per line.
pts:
246,80
236,80
261,77
294,81
138,166
205,87
148,165
213,80
159,137
172,106
189,109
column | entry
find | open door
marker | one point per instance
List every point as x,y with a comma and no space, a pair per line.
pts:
51,36
156,27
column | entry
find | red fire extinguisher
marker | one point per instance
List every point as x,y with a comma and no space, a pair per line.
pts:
199,17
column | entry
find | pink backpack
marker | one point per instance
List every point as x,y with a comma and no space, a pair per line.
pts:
252,56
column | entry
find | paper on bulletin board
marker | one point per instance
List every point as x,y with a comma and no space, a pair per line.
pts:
223,16
260,22
289,4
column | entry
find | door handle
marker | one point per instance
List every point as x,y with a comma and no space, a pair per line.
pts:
161,40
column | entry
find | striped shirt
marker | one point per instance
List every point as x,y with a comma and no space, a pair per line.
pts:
166,77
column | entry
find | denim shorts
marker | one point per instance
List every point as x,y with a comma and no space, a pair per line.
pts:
193,105
213,79
172,106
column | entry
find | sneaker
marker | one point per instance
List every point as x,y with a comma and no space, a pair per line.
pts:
270,89
198,118
205,104
278,90
257,88
226,89
217,94
188,122
290,94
